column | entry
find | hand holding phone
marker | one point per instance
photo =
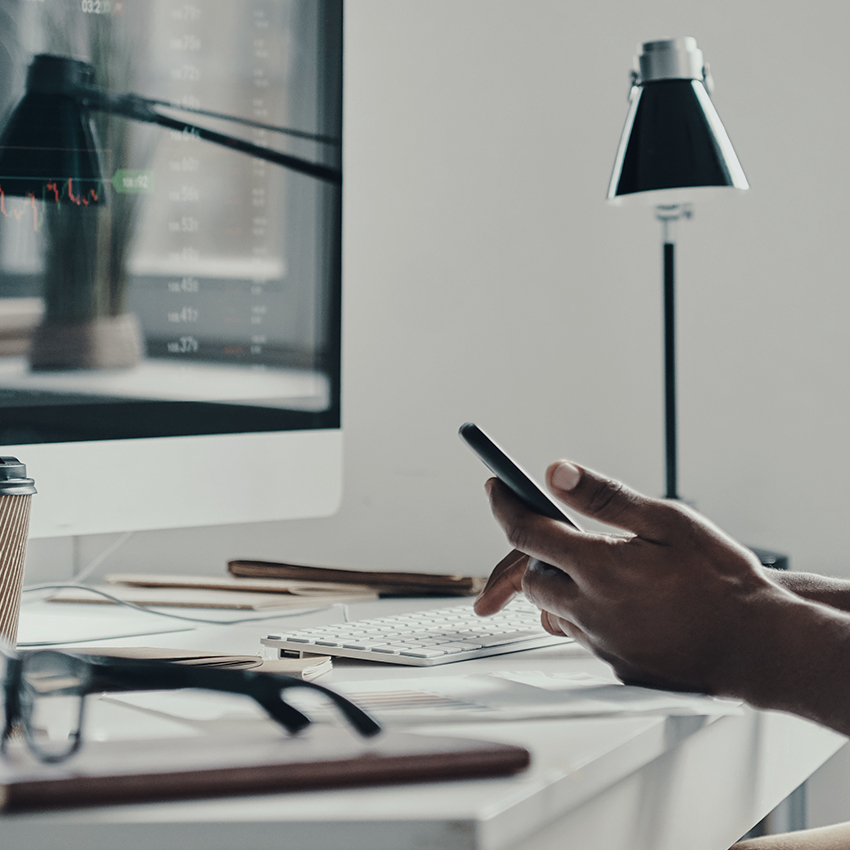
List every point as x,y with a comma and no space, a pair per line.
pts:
511,474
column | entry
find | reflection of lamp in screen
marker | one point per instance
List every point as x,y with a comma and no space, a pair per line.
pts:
49,153
673,150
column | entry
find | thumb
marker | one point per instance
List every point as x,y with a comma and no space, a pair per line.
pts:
603,498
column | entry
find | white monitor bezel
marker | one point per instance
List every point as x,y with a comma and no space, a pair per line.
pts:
168,482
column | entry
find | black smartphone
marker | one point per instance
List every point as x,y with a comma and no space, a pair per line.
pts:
512,474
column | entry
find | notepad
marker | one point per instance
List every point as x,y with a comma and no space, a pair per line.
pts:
324,757
248,585
384,583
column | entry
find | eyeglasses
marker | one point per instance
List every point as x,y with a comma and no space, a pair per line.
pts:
44,694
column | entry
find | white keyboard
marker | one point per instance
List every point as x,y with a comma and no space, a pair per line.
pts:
423,638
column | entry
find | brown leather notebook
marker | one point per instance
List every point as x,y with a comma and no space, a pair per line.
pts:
385,584
136,771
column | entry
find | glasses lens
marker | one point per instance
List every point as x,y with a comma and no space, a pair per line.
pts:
7,688
52,703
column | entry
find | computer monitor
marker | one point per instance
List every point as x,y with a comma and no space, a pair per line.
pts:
169,294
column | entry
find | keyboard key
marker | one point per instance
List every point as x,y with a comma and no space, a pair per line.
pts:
423,653
496,640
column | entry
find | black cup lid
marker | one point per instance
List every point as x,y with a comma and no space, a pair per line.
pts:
13,478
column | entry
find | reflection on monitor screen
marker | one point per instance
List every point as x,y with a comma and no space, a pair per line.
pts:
170,237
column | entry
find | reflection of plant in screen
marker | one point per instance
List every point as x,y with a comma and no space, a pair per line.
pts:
87,247
9,53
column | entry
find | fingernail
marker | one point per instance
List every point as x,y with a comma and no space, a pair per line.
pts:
565,476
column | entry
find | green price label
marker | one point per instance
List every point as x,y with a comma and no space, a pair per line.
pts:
132,181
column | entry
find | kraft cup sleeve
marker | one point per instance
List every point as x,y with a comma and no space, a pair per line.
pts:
14,527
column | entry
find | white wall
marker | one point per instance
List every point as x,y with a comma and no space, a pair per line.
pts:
486,279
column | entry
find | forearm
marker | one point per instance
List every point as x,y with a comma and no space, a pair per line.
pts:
829,591
794,655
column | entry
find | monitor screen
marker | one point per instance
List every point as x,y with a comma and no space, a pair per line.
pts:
170,254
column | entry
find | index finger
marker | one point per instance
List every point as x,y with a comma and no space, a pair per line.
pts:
503,584
548,540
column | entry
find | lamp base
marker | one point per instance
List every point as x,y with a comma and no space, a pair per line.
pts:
105,342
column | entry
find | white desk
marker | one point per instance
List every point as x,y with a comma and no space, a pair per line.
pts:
648,783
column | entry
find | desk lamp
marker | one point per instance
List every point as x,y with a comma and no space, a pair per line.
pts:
673,150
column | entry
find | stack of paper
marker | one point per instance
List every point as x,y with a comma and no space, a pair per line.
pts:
308,668
384,583
215,592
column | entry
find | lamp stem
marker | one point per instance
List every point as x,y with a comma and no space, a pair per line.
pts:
670,370
668,216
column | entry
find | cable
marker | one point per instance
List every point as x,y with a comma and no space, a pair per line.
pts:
96,562
84,573
77,584
146,610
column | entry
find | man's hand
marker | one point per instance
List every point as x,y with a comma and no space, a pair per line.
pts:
671,602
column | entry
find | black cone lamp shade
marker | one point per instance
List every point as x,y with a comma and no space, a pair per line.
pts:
48,149
673,149
673,137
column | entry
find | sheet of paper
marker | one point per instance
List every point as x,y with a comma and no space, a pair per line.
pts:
43,624
108,721
207,706
521,695
450,699
192,704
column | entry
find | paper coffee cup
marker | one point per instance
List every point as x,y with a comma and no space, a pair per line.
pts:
16,492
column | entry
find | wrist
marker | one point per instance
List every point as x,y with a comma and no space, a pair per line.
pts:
791,654
817,588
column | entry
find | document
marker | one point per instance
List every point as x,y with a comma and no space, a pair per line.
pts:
45,624
522,695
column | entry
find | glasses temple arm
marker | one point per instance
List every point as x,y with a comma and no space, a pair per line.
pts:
153,676
361,720
265,688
